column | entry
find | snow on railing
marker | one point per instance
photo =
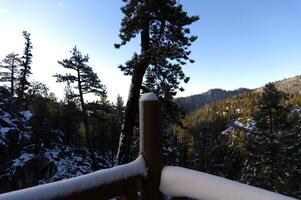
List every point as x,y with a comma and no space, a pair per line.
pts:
181,182
70,186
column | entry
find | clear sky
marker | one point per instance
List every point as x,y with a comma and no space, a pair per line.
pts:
240,43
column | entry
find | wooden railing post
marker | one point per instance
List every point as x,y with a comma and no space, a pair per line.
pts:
151,144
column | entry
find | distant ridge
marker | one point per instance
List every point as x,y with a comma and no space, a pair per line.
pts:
290,86
193,102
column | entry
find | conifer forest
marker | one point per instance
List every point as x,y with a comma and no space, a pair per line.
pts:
250,135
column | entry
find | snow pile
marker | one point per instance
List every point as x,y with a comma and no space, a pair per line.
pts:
20,162
27,114
67,163
181,182
248,126
77,184
14,125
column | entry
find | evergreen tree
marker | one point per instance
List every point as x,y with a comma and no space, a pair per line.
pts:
70,117
11,62
38,89
235,147
119,114
164,42
87,82
119,109
25,70
290,142
267,161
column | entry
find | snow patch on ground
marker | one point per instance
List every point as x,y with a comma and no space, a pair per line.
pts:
67,164
247,126
7,118
27,114
3,131
21,161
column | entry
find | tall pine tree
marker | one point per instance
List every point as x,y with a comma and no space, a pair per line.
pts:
268,162
25,70
11,62
86,82
164,40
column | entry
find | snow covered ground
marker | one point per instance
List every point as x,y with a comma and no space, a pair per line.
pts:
235,124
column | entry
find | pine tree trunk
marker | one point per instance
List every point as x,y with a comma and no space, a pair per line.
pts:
86,125
67,141
23,80
271,123
89,142
12,78
131,109
130,116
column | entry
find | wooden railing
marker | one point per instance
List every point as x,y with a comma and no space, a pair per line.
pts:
145,175
103,184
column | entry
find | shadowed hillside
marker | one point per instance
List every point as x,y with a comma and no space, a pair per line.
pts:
193,102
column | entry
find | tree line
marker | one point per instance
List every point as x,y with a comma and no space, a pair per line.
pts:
73,115
263,151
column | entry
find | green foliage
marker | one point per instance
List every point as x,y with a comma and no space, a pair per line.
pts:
240,106
168,41
268,156
25,69
206,148
271,147
87,81
295,100
235,155
38,89
11,62
270,114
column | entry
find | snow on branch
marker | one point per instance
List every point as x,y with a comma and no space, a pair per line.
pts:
181,182
81,183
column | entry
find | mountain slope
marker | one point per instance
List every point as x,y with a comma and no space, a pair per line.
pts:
193,102
290,85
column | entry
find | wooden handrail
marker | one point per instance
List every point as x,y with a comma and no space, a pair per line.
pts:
102,184
123,187
182,182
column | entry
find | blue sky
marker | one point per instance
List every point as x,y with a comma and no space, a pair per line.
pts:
240,43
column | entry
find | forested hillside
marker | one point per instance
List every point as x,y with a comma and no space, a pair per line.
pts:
252,137
193,102
290,85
